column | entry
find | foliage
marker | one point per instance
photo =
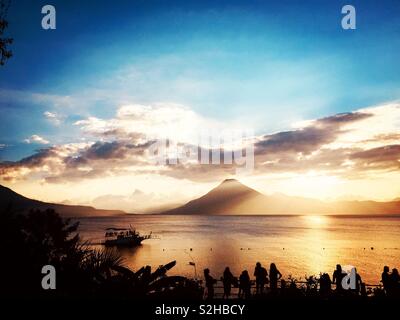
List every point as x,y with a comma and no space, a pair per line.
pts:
28,242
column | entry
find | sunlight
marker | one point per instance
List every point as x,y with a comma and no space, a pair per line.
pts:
316,220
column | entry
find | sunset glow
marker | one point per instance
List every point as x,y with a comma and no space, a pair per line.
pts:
325,122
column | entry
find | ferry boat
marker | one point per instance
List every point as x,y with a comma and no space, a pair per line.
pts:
121,237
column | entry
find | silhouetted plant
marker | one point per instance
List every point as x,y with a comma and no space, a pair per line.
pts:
311,285
31,241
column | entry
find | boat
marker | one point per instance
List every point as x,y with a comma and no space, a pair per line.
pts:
121,237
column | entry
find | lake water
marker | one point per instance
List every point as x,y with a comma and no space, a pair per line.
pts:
299,245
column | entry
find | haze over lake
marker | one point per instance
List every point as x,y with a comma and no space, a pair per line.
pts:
299,245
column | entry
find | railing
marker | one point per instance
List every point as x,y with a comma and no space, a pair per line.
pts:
219,288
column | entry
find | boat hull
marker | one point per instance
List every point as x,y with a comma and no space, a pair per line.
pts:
125,242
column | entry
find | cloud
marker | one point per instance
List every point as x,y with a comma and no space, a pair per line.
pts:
105,150
36,139
45,162
158,121
25,98
386,157
53,117
310,138
346,145
17,170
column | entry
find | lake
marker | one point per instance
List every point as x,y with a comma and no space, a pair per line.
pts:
299,245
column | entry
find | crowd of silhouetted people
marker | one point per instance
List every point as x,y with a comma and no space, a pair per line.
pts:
345,282
244,283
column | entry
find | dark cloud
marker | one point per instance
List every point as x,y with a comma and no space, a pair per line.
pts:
8,169
386,157
384,137
308,139
303,140
105,150
344,118
63,162
35,160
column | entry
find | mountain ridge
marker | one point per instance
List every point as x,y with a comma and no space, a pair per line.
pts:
230,197
13,201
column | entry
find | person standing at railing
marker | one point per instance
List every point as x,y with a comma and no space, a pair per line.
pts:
337,278
395,283
261,275
386,280
325,284
227,280
244,285
210,281
274,276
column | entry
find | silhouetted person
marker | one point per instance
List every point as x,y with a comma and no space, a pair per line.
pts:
386,280
261,275
210,281
337,278
395,283
274,276
325,284
227,280
244,285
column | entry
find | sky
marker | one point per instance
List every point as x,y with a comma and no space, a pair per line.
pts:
80,104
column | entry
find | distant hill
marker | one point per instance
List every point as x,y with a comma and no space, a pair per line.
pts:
232,197
19,203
